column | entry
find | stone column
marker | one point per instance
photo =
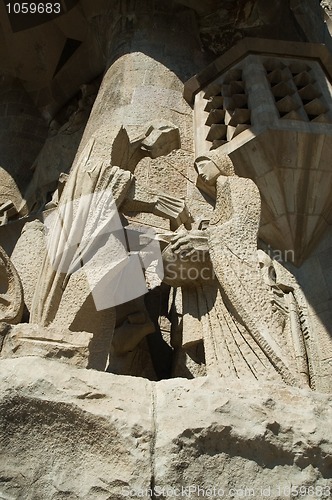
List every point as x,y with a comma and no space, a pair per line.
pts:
22,134
151,48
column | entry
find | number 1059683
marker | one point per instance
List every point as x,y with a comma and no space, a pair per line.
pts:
34,8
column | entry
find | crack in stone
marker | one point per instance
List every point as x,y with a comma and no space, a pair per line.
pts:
153,440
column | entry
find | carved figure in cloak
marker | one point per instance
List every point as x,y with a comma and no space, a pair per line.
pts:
11,293
10,197
58,152
232,323
85,256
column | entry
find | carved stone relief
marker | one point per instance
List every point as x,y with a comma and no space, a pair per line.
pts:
166,279
246,325
11,295
63,292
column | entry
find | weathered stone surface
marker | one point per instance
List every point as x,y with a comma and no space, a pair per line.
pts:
11,293
74,433
28,263
64,435
248,322
32,340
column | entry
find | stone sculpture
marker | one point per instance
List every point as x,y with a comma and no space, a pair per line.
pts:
58,151
10,196
91,199
92,405
11,295
255,102
244,333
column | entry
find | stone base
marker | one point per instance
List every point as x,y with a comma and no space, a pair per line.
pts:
72,433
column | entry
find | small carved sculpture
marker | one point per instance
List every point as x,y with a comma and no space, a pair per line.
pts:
10,197
57,154
73,254
287,297
244,334
11,293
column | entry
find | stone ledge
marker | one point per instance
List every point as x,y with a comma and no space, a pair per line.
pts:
76,433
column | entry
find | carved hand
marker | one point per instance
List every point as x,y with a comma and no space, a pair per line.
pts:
187,243
174,209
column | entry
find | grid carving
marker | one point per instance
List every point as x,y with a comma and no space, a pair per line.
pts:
296,92
227,109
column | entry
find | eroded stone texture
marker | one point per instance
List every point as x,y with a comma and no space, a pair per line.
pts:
28,264
31,340
236,441
68,432
89,449
251,331
11,293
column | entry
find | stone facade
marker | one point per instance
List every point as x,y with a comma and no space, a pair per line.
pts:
165,250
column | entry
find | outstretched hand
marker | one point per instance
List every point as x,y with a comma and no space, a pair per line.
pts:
173,209
187,243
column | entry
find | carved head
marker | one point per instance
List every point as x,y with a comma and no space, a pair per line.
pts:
211,166
207,171
161,139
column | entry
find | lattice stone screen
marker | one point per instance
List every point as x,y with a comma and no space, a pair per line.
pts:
260,91
268,105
